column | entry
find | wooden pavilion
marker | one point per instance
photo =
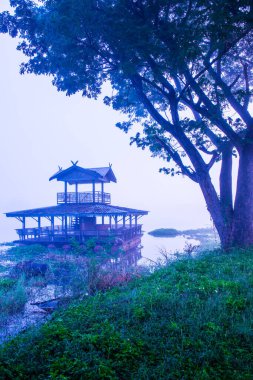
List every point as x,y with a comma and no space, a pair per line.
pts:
82,214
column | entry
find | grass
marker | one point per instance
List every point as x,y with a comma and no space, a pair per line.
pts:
190,320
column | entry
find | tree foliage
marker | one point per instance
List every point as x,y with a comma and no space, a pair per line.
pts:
181,69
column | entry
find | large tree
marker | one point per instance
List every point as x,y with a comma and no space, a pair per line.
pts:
180,69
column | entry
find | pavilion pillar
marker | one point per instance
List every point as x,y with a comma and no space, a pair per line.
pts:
23,228
116,222
124,221
66,225
52,226
103,220
130,225
110,222
93,191
65,191
102,191
76,192
39,225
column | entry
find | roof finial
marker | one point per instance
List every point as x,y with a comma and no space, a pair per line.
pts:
110,165
74,163
60,168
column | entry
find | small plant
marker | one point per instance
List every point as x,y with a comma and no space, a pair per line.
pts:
66,247
236,304
190,248
13,299
166,256
98,249
90,245
76,247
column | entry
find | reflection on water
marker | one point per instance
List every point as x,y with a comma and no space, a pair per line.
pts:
154,246
131,258
151,251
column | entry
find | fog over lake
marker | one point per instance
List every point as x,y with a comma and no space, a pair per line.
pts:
41,129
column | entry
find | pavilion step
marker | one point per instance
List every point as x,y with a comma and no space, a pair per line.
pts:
75,222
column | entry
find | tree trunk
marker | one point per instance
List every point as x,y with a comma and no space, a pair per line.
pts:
243,209
234,225
213,204
226,196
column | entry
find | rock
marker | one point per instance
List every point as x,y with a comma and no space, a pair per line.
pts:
30,269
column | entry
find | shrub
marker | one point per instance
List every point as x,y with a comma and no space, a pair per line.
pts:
6,283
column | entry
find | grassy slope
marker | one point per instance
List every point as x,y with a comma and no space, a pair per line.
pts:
190,320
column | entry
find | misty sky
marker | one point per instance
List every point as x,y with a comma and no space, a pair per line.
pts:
42,128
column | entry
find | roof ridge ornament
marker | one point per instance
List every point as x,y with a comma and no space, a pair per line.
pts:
77,174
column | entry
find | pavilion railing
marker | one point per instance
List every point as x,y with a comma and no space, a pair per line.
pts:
86,197
47,233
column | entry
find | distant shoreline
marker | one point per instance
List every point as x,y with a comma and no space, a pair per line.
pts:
172,232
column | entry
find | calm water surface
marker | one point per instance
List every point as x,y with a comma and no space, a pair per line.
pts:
153,247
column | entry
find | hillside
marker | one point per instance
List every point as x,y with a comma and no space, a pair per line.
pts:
189,320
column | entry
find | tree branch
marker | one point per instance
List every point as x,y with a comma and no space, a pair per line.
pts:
213,114
212,161
154,85
197,110
175,129
177,159
206,151
221,54
242,112
247,89
136,80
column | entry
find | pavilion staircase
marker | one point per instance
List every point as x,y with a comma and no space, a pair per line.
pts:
75,223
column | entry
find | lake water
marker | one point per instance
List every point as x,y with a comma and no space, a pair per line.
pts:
154,247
